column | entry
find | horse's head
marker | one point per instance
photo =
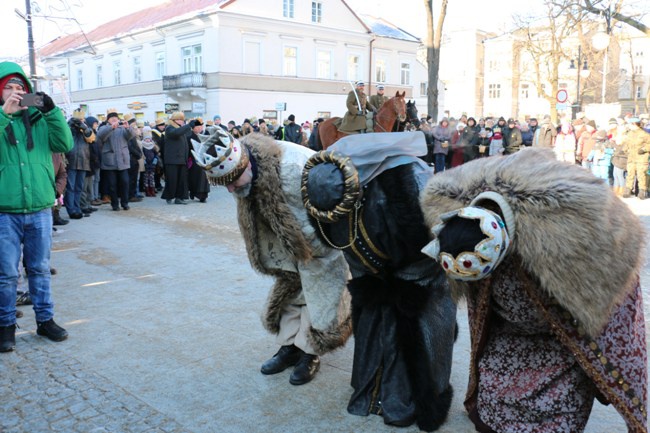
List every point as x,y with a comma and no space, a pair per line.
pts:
399,105
412,113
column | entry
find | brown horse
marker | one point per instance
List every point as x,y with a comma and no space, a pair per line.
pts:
387,119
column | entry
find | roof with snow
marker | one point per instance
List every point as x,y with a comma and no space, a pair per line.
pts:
381,27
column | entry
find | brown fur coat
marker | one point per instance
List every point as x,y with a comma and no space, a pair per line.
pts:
573,235
281,242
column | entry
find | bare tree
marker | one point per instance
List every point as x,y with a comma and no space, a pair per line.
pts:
433,42
543,38
597,6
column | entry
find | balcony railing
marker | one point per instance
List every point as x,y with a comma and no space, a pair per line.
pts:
184,81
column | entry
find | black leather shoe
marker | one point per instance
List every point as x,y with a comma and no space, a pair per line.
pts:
7,338
76,216
126,207
116,208
51,330
305,370
283,359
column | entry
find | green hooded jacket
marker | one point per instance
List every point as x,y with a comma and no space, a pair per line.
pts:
27,176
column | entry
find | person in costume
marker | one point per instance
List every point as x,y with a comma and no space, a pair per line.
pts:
362,194
548,259
308,307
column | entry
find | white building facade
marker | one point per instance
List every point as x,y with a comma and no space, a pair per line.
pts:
236,58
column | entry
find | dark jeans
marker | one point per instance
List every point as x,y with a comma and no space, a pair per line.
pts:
117,182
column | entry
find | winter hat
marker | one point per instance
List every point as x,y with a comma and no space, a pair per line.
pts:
130,118
291,118
160,121
146,132
592,124
78,114
216,117
177,115
90,121
601,135
613,121
380,87
198,121
111,112
13,79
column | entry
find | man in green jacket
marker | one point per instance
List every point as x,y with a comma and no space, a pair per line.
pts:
27,192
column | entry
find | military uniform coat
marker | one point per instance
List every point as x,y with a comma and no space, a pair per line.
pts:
355,119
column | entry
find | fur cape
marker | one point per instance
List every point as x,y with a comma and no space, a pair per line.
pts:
298,261
573,235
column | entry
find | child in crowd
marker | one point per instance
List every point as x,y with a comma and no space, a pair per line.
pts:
150,151
496,142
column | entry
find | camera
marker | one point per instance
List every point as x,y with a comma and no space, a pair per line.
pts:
31,100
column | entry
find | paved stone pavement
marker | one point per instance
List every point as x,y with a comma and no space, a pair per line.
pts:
163,312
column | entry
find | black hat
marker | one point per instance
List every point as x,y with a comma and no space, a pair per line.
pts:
291,118
330,186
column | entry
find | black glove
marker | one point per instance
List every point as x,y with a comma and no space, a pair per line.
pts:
48,103
192,123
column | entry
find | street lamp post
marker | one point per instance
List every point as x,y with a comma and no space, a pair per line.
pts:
600,41
581,71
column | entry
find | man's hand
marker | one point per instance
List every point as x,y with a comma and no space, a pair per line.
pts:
12,104
48,103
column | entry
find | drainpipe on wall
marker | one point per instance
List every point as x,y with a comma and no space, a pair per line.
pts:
370,67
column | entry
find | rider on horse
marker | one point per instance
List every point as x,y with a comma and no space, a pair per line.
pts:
378,100
354,121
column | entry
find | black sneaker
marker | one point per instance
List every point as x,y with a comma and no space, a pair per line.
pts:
51,330
7,338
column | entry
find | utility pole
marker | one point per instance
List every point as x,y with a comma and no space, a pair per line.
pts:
30,43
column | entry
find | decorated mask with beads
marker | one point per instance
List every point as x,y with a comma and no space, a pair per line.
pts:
489,252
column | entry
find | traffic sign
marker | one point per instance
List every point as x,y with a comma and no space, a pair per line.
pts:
562,96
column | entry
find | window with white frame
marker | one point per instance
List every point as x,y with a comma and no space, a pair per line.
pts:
80,79
354,67
494,91
287,8
117,73
192,58
316,12
160,64
405,73
380,70
290,61
137,69
99,75
638,69
638,91
252,57
423,88
524,93
324,64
